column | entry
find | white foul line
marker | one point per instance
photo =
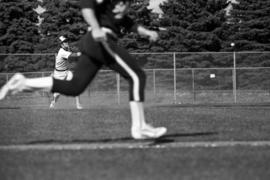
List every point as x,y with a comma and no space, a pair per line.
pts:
135,145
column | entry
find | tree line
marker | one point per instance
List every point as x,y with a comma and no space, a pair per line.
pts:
184,26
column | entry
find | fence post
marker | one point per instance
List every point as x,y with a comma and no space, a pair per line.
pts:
154,82
234,78
118,88
193,86
43,92
174,78
6,77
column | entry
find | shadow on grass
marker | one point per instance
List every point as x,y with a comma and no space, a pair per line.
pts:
218,105
9,108
169,138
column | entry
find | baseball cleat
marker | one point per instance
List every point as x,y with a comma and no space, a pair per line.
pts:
79,106
52,105
14,85
17,83
4,91
148,132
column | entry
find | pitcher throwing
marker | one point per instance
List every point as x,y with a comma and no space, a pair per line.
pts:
61,70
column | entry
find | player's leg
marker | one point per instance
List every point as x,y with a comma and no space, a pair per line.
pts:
84,72
77,98
62,75
19,83
126,65
140,129
55,98
78,102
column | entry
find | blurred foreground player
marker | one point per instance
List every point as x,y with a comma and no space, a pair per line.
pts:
61,70
99,47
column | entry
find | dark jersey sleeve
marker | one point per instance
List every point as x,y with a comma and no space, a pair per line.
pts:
129,24
87,3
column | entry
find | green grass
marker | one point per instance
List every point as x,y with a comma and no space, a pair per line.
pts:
106,124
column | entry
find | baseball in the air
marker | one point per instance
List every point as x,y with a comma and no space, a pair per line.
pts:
212,75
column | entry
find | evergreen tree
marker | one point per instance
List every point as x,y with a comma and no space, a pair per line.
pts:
61,17
18,26
193,25
18,33
141,15
250,26
249,29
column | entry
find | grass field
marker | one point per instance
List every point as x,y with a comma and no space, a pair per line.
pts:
203,142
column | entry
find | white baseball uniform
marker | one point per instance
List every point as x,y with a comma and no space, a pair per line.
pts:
61,70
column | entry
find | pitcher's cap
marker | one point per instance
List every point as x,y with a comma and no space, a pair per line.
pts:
62,39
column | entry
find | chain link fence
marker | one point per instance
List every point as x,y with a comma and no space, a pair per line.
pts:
179,78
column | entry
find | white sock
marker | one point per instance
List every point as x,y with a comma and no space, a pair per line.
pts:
137,114
142,116
44,83
77,100
55,97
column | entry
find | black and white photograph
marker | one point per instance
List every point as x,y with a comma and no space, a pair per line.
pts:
134,89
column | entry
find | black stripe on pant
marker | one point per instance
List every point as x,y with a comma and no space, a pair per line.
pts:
88,66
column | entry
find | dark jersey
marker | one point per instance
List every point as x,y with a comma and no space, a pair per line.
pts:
104,11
